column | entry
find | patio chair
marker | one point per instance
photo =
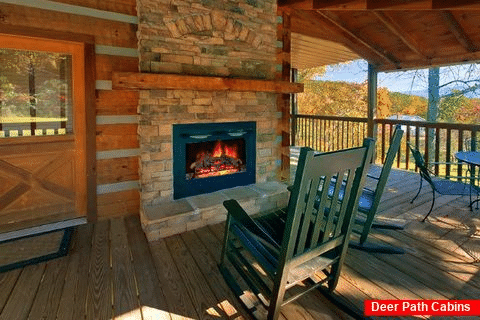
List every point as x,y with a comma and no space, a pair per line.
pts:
370,199
442,186
275,251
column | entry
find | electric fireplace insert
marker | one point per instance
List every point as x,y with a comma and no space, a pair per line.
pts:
212,156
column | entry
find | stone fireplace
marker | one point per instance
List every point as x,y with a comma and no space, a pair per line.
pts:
209,157
205,63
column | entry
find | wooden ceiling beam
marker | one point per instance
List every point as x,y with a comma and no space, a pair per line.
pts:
380,4
458,31
434,62
396,29
399,4
388,57
307,22
455,4
295,4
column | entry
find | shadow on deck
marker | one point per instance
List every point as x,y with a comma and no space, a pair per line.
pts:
113,272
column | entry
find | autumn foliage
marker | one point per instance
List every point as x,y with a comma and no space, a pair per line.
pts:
350,100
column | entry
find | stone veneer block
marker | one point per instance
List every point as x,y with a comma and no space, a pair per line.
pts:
241,193
270,188
174,217
168,209
203,201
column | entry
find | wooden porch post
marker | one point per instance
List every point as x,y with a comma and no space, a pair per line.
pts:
283,100
372,101
294,110
432,110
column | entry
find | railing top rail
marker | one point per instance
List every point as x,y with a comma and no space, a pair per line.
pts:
441,125
426,124
321,117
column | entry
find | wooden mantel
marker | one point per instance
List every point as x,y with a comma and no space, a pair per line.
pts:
146,81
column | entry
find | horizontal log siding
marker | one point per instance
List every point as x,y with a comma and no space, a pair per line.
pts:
117,170
117,204
115,39
120,6
112,33
117,102
116,136
107,64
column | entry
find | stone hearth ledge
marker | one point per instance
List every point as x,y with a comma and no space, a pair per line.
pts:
173,217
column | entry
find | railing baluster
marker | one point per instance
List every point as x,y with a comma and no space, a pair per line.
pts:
426,151
407,150
448,152
460,147
437,150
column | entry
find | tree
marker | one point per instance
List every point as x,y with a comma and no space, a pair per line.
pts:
450,107
333,98
307,74
30,83
384,103
454,81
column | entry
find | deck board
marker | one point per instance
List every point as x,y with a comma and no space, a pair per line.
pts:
7,282
150,293
48,296
112,271
209,269
125,300
21,299
179,305
99,295
73,301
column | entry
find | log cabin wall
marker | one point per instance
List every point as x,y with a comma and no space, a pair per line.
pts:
113,25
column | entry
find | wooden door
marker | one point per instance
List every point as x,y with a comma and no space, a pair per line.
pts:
43,176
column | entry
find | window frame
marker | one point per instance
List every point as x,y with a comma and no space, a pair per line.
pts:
77,52
82,48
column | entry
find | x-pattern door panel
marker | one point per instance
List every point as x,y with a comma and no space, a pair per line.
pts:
37,186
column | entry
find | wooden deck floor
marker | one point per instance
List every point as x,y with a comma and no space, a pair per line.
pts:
113,272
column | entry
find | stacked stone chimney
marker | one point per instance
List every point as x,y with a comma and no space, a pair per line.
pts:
234,39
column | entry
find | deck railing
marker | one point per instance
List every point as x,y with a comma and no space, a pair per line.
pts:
438,142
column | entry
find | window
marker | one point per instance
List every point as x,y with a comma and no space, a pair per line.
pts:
36,88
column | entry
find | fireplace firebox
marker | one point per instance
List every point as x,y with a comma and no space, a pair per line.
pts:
212,156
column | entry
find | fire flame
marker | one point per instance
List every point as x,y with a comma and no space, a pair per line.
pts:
220,164
218,151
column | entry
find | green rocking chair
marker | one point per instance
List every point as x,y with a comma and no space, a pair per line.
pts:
275,251
370,200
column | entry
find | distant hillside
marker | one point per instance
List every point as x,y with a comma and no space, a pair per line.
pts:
350,100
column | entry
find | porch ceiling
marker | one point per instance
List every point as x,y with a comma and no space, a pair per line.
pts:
308,52
392,36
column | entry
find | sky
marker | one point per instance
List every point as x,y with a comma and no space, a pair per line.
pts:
409,82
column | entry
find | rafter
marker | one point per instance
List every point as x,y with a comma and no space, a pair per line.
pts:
458,31
356,37
455,4
395,28
380,4
399,4
295,4
434,62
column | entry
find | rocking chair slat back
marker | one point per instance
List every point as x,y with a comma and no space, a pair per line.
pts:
274,251
330,218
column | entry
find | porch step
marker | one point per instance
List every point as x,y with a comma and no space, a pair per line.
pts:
173,217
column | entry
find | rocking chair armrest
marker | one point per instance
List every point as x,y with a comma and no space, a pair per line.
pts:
240,216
